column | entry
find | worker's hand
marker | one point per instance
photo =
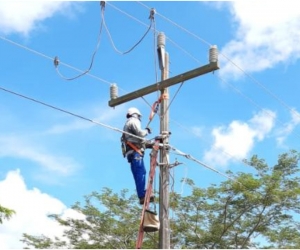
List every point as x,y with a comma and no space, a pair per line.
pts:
149,130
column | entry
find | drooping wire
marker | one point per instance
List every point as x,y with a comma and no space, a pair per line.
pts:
98,78
139,21
182,49
56,59
151,17
51,58
207,43
279,100
62,63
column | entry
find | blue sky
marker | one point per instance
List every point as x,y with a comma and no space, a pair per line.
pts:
50,159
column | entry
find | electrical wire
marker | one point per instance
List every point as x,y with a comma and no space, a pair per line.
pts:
172,99
286,106
51,58
69,113
195,59
100,79
255,104
209,44
56,60
139,21
177,25
151,17
188,156
65,64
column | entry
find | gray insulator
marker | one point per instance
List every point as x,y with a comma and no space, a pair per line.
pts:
161,40
213,54
113,91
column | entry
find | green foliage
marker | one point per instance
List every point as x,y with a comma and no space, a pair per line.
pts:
234,214
111,221
5,213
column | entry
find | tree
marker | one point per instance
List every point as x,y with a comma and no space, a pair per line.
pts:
236,213
111,221
256,210
5,213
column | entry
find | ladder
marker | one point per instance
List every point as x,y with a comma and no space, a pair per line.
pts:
153,163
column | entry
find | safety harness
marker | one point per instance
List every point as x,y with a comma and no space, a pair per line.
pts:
124,143
135,148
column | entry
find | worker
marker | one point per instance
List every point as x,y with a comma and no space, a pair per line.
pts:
135,150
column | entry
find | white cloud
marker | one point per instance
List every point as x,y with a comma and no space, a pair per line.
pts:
268,33
17,147
288,128
32,208
24,16
238,139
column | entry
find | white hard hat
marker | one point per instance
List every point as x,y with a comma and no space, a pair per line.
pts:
132,111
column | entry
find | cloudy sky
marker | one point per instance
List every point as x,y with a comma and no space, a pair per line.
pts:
59,138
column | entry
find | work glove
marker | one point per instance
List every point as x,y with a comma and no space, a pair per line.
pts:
149,130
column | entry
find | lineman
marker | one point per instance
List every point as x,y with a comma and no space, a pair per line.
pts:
135,150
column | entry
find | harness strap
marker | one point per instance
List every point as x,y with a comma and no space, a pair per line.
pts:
134,147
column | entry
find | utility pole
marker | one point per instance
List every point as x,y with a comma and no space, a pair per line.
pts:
162,86
164,232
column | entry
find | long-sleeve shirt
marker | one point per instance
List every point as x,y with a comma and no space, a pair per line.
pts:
133,126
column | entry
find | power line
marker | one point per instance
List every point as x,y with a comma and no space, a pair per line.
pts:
188,156
66,112
51,58
286,106
135,19
56,60
168,38
255,104
151,17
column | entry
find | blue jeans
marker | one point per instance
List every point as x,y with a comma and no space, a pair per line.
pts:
139,172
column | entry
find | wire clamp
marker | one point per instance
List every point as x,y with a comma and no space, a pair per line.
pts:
102,4
56,61
152,13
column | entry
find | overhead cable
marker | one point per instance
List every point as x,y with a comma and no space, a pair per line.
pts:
255,104
179,47
151,17
56,59
157,31
51,58
188,156
67,112
232,62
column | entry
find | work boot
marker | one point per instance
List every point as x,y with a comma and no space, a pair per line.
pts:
142,200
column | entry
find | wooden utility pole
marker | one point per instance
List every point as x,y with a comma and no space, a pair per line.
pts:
164,232
162,86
